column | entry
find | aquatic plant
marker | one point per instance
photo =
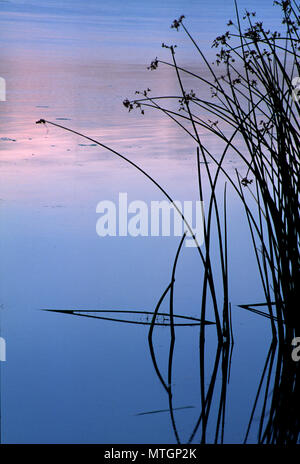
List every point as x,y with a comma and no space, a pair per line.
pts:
254,110
253,96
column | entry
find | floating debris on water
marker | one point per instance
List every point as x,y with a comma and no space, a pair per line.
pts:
7,139
87,144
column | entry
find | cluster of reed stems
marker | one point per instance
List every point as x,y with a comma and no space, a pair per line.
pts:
256,111
257,118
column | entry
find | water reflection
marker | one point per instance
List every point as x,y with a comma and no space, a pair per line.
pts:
279,421
62,67
275,412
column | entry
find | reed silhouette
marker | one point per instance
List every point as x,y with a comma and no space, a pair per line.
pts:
256,113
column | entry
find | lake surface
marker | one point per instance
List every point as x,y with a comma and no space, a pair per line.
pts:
74,379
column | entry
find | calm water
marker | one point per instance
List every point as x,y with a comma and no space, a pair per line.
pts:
74,379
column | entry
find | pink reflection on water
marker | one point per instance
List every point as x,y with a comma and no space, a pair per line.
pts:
41,160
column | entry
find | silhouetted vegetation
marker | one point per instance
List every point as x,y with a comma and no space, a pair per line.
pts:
254,112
